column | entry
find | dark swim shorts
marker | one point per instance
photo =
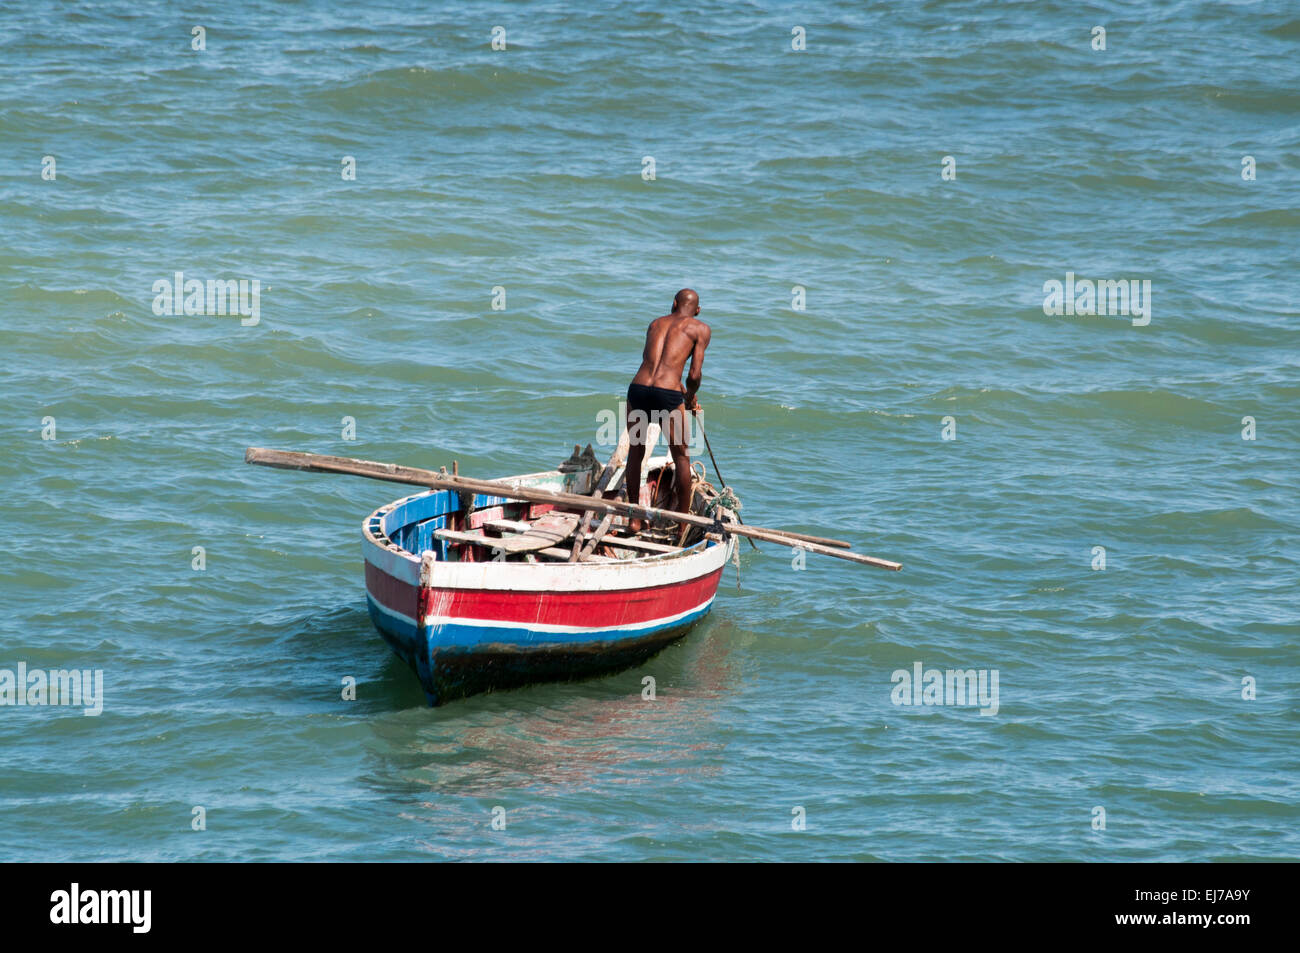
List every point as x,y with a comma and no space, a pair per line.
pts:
649,399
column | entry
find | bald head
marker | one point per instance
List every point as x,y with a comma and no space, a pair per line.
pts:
687,302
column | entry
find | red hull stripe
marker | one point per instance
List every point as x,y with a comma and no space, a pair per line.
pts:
392,593
596,610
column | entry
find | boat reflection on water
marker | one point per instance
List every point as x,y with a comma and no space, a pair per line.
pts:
526,750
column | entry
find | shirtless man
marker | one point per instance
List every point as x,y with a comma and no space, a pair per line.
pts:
656,392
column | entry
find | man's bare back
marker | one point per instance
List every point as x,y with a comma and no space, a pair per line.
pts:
669,342
656,392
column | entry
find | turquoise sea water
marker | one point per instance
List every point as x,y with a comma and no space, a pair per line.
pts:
1119,688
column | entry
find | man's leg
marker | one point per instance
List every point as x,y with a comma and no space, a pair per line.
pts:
681,460
636,433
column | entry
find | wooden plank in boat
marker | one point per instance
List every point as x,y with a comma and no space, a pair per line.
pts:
492,542
479,517
564,555
544,533
628,542
589,546
620,542
456,536
508,526
623,542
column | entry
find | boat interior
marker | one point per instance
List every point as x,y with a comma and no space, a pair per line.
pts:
458,528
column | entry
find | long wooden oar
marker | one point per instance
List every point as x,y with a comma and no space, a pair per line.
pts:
395,473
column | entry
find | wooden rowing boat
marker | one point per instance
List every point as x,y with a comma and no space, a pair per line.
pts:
479,591
485,584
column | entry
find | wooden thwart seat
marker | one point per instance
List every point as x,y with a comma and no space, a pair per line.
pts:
503,544
644,545
508,526
543,535
548,530
563,555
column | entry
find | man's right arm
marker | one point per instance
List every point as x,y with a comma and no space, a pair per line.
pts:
696,375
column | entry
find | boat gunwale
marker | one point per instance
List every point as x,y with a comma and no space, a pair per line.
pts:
386,543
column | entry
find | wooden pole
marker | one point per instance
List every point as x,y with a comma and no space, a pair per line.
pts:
395,473
616,460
